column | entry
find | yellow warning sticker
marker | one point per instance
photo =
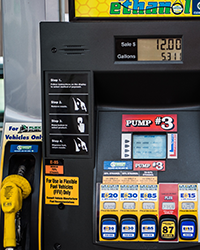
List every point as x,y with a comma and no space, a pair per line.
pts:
62,189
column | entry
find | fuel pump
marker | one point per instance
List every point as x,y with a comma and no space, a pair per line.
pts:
121,117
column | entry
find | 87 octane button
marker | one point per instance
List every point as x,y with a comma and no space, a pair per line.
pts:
168,229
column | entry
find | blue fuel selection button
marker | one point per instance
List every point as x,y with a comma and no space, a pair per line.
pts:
128,228
148,228
188,229
109,228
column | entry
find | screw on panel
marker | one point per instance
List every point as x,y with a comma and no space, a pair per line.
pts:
61,206
53,50
57,246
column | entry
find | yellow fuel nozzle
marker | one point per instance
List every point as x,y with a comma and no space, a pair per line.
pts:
14,189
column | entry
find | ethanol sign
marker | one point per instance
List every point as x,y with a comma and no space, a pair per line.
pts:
137,8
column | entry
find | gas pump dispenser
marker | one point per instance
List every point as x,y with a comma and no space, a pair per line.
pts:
121,117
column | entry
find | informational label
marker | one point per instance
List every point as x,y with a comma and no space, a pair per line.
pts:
61,144
148,179
22,132
109,192
14,148
68,113
141,9
187,192
118,165
148,196
148,49
172,152
126,145
130,177
65,124
168,199
54,166
126,49
188,195
64,103
62,189
128,192
149,165
149,123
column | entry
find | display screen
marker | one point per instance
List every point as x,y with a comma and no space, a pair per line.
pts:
109,205
128,205
148,49
187,205
149,146
168,205
148,205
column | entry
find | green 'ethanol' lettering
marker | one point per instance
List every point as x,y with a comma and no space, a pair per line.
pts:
136,7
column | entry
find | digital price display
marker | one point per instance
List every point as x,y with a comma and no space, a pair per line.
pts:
128,205
188,205
168,205
148,49
109,205
149,146
148,205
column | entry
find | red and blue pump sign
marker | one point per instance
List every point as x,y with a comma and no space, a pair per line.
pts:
149,123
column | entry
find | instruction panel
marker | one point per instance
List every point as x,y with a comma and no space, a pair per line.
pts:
68,113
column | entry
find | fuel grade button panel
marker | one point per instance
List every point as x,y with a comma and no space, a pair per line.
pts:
148,228
188,228
128,227
109,227
168,228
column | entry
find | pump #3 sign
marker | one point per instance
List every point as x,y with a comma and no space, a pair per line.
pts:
149,123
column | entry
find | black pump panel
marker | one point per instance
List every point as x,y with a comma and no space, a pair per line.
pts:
97,98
